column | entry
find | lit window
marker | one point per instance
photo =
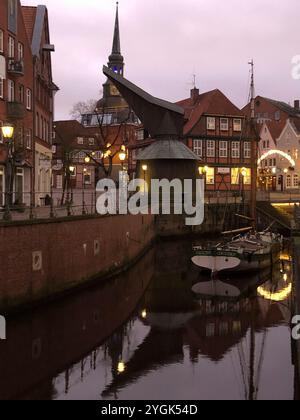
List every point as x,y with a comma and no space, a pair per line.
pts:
211,123
210,176
235,150
198,147
1,41
80,140
247,176
247,150
1,136
235,176
223,149
237,124
211,148
87,178
224,124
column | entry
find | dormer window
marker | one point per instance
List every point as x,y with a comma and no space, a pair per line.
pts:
224,124
211,123
237,124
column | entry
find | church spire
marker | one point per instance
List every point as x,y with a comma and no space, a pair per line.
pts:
116,60
116,48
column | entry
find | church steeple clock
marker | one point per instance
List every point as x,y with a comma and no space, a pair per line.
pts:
111,96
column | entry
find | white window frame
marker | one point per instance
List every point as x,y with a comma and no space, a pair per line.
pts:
235,150
10,90
11,47
237,124
224,124
28,99
1,41
1,88
247,150
91,141
59,181
211,123
80,140
223,148
20,51
210,176
210,148
198,147
29,139
296,184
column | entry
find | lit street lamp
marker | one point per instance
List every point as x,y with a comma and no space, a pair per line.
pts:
8,133
145,169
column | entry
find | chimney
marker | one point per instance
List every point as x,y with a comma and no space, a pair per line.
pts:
297,104
194,95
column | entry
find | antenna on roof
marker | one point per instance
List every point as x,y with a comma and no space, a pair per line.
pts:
252,90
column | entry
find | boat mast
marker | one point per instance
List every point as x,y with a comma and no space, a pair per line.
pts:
254,148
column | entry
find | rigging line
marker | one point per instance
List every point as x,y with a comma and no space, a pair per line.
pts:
243,373
238,380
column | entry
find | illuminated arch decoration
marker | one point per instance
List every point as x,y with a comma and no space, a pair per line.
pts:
277,152
277,296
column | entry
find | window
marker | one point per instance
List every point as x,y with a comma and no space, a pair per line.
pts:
247,176
21,94
277,116
80,140
198,144
210,176
87,178
1,41
11,90
288,181
296,181
1,88
28,99
29,139
37,124
235,176
11,47
237,124
1,136
223,149
91,141
224,124
211,123
141,135
247,150
59,181
211,148
235,150
2,186
20,51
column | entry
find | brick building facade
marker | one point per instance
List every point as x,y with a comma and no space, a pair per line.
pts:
26,97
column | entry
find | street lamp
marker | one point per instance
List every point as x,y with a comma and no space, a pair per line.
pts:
8,133
87,159
84,172
145,169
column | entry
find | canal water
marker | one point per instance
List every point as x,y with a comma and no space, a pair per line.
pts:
146,335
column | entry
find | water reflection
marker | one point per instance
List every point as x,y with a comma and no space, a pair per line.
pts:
186,338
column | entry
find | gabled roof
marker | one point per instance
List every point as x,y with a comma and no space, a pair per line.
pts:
29,15
296,123
168,150
68,130
208,103
275,128
288,109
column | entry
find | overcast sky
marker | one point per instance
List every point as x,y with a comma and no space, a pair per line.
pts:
165,42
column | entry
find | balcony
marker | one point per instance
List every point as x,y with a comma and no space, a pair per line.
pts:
15,110
15,68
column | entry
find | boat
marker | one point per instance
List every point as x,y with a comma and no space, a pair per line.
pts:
244,253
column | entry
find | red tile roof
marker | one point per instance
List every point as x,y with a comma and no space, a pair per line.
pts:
29,15
275,128
208,103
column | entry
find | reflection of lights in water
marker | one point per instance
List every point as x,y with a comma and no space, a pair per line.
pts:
277,296
285,277
144,314
121,367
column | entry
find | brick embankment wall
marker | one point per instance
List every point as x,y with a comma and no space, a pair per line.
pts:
43,259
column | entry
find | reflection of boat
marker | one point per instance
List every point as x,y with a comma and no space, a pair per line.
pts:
216,288
244,253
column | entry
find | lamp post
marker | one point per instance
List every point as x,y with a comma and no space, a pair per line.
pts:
243,176
71,172
84,172
8,133
145,169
